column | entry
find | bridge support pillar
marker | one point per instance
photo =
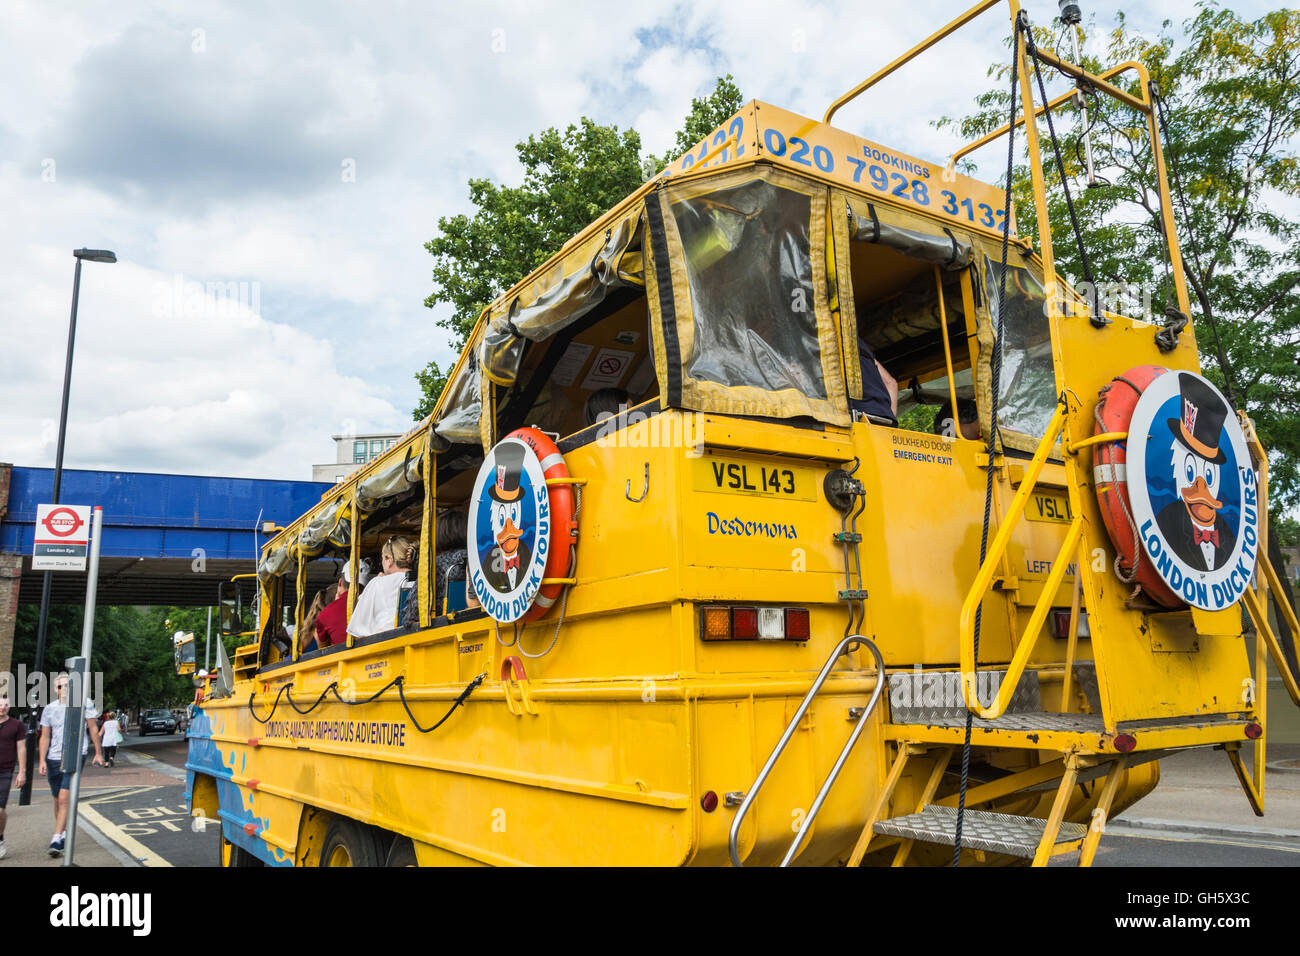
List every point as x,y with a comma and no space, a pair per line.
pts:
11,575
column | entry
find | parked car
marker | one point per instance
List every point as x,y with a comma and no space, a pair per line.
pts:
160,721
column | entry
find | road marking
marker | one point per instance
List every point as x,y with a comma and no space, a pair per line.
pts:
138,850
1203,838
155,765
119,794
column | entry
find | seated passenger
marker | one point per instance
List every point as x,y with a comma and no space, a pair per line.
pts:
451,530
376,609
879,390
604,403
967,418
322,598
332,622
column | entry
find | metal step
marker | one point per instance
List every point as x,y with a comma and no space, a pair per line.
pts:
934,698
981,830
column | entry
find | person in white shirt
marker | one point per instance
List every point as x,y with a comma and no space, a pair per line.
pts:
111,737
51,756
376,607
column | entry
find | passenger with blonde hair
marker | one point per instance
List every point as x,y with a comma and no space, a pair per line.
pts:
376,609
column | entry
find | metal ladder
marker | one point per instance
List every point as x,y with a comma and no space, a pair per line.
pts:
842,490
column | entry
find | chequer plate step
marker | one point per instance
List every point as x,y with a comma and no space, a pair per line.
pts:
981,830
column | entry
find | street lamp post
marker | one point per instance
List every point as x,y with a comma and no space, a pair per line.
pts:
93,255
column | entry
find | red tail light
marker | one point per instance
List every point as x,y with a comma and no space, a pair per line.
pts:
723,622
744,623
796,624
1061,624
1126,743
1254,730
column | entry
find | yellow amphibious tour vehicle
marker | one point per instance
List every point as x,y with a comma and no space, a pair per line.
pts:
748,618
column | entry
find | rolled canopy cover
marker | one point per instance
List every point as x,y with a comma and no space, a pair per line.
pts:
391,480
330,526
274,564
577,283
458,414
943,249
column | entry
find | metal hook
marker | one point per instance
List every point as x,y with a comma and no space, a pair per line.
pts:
645,487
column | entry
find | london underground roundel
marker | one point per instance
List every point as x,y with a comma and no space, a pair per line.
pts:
509,530
1193,491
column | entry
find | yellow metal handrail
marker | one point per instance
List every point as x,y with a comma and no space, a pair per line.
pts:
1259,613
907,57
983,580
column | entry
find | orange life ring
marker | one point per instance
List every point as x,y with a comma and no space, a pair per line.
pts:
562,559
1110,477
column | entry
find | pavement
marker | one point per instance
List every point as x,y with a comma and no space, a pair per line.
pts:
1199,793
29,828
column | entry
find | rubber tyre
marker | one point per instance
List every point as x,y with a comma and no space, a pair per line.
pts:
236,857
401,853
348,843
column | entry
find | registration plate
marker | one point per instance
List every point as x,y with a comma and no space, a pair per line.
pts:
736,477
1049,507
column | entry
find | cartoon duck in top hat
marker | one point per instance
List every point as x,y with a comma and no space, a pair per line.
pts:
1192,525
506,513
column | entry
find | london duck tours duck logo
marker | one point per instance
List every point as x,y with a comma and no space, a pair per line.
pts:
509,530
1193,491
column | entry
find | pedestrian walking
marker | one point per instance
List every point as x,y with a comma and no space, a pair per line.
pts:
13,761
111,736
51,757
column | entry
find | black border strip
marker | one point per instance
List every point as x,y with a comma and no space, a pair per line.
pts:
667,307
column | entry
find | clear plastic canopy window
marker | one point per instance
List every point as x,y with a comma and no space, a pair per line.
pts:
751,285
1027,385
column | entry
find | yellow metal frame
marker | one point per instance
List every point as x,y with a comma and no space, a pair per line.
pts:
1100,82
984,580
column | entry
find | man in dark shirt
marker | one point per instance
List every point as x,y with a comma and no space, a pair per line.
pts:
332,622
879,390
13,760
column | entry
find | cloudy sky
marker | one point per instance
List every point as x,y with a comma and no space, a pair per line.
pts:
300,154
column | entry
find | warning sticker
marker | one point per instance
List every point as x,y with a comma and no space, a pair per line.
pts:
570,364
608,369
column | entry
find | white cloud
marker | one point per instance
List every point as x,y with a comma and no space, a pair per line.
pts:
223,164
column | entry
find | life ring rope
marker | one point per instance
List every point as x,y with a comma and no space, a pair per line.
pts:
1131,577
564,597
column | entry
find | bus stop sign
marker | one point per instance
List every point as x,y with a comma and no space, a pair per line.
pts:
62,538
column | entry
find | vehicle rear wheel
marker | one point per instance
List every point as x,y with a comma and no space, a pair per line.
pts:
236,856
401,853
348,843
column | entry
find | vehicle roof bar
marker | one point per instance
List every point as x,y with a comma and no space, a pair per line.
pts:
910,55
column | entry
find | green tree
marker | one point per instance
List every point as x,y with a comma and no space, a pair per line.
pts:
1229,92
707,114
132,649
570,179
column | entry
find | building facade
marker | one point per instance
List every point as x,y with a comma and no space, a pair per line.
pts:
351,452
